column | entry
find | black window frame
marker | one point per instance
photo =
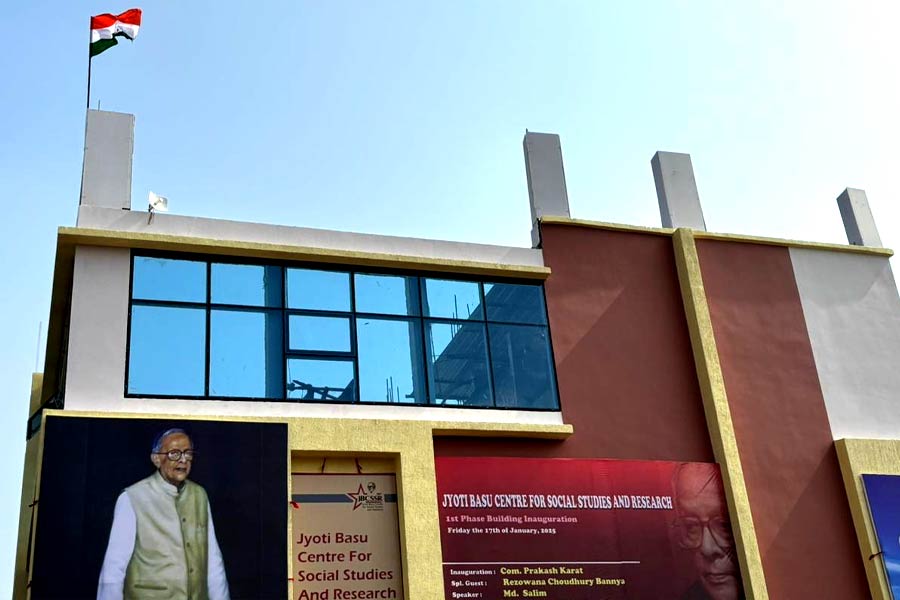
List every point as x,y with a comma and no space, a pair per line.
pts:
353,316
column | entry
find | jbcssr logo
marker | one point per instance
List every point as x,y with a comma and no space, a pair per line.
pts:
368,498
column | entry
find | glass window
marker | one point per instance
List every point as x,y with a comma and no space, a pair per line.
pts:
247,285
279,332
515,303
319,334
167,279
452,299
391,368
318,290
457,364
320,380
387,294
167,354
522,366
245,354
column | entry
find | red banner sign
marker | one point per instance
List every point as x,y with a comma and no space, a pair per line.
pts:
584,529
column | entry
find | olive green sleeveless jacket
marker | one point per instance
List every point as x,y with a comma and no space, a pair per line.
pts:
170,549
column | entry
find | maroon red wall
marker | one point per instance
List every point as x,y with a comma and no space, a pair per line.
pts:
624,363
628,385
800,510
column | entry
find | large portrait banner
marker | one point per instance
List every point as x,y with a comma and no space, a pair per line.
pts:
566,529
346,537
161,508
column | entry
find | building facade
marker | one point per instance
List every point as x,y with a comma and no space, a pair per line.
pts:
431,363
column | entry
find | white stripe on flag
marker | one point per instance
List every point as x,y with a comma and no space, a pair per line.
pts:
106,33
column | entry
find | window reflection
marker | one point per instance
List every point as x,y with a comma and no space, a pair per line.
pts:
457,364
246,352
319,334
167,353
315,380
391,367
515,303
452,299
318,290
387,294
168,279
522,366
247,285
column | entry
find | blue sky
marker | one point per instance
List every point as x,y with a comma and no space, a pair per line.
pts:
406,118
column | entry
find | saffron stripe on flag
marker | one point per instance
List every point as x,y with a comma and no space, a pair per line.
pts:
102,21
131,16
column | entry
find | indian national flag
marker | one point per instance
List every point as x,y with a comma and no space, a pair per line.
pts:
106,28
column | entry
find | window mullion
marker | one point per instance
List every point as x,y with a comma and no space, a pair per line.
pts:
357,388
208,324
425,336
487,343
285,332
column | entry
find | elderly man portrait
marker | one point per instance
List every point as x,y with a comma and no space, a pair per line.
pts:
162,543
703,526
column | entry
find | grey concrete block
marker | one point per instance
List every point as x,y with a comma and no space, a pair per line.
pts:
858,220
676,191
108,153
547,192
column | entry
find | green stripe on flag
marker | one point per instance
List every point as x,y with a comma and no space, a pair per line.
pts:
101,45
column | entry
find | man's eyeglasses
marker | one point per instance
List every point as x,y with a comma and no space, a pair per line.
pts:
690,532
175,455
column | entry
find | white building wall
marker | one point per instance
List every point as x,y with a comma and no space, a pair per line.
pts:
95,379
92,217
98,326
852,313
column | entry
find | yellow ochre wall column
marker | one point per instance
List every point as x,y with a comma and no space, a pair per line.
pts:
29,481
858,457
718,412
410,443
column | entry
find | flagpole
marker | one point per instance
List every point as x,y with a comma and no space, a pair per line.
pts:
89,67
87,110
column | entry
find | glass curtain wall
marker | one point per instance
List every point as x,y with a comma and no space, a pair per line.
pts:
201,328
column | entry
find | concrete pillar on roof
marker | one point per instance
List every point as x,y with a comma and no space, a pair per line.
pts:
108,153
547,192
858,220
676,191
